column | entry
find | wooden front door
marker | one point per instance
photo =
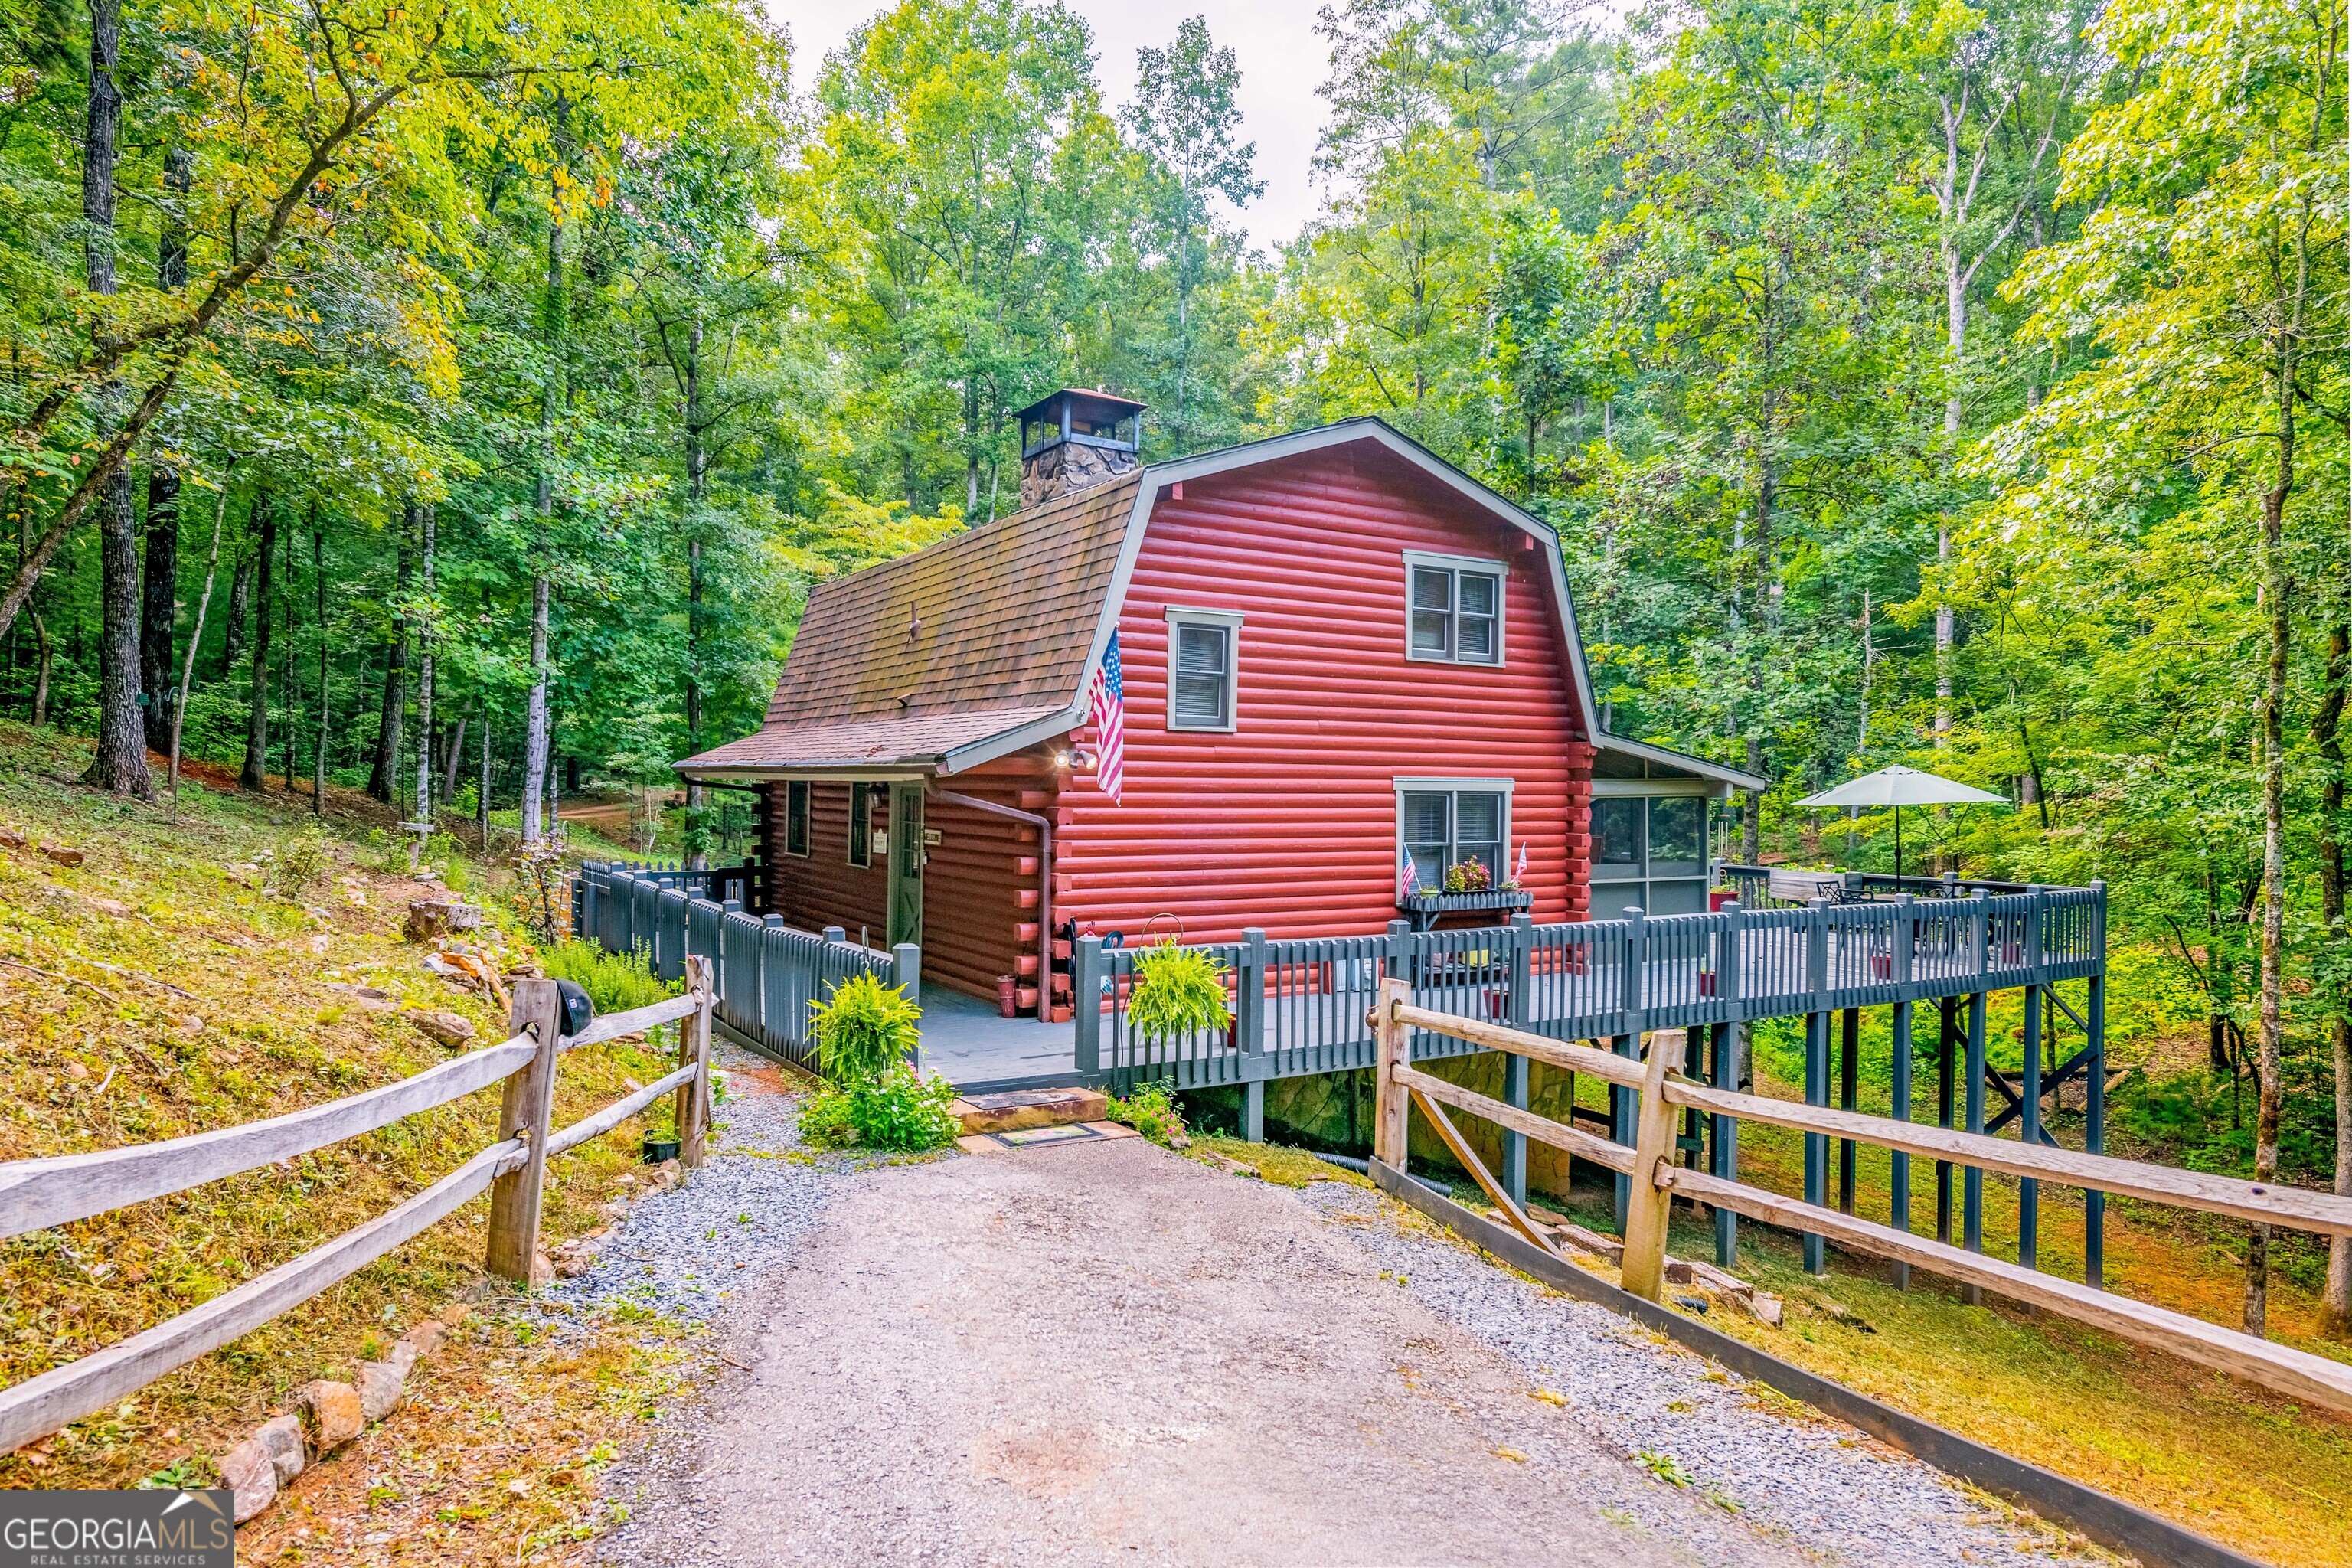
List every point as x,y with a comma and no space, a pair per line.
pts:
906,863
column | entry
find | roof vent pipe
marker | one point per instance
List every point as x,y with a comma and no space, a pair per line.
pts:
1075,439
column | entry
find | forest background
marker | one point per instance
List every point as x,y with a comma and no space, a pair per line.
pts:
461,399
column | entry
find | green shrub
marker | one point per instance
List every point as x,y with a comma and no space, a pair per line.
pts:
614,981
1151,1109
863,1030
1177,991
893,1109
301,864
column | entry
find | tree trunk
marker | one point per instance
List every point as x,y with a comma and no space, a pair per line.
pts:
161,607
2327,729
696,462
319,628
425,673
257,730
456,753
120,764
2269,1091
384,777
287,683
535,736
196,634
240,603
41,677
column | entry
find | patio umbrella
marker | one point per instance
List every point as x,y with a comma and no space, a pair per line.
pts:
1899,786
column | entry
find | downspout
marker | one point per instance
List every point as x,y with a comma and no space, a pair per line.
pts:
1044,827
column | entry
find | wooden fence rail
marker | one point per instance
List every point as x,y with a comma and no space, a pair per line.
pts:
1663,1093
36,1194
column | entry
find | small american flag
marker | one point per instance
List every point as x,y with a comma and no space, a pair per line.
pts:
1404,872
1107,711
1519,872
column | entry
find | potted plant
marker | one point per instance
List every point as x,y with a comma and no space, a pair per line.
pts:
1469,876
661,1142
863,1030
1178,991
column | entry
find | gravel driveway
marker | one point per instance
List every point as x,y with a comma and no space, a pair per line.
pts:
1103,1353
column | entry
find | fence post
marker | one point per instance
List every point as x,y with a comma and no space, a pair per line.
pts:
1643,1271
1085,1005
1623,1104
1518,1004
1249,1000
1899,1033
907,970
1973,1081
513,1251
622,887
1392,1106
693,1102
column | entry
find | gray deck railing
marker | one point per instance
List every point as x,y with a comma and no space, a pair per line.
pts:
1299,1004
768,975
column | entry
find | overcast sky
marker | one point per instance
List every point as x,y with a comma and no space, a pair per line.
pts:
1282,62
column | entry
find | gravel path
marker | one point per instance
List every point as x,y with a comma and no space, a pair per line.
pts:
1103,1353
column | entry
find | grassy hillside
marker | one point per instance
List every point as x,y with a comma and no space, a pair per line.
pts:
170,982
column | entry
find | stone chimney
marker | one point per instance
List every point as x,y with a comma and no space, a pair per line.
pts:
1073,440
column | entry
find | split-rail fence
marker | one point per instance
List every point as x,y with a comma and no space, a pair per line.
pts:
1662,1095
36,1194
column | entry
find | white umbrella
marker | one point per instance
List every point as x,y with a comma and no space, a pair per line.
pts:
1899,786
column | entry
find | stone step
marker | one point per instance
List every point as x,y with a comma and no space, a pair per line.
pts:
1014,1109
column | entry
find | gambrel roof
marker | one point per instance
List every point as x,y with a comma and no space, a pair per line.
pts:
982,644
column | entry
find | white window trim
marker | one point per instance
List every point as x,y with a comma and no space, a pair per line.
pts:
1231,620
1500,571
1402,786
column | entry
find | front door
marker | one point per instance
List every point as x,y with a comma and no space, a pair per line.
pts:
906,863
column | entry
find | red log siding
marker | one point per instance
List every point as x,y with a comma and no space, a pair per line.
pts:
1290,823
975,894
823,889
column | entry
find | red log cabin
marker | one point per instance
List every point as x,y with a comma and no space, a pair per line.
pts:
1340,656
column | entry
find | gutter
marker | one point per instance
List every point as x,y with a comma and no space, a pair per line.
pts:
1044,827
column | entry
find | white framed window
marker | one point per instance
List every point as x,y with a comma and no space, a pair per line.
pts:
1453,609
1445,823
1203,668
796,818
861,825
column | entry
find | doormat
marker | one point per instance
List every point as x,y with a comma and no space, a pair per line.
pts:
1069,1132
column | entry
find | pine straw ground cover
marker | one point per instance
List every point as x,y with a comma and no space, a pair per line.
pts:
2247,1468
155,990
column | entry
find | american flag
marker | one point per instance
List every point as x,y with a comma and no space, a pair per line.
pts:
1107,711
1519,872
1404,872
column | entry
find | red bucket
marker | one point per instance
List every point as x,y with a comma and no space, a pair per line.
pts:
1008,996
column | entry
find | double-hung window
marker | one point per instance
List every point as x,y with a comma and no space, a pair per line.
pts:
1203,668
1453,609
1447,823
861,825
796,817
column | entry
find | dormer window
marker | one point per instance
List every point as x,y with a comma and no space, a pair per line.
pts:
1453,609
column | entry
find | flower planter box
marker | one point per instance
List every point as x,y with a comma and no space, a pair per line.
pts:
1427,907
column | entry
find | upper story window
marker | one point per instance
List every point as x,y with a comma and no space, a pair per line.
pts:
796,817
1203,668
1453,609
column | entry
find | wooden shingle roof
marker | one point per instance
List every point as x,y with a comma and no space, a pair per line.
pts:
980,632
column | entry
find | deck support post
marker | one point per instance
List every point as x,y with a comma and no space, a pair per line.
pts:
1517,1006
1973,1078
1849,1097
1947,1039
1817,1075
2029,1191
1724,1038
2094,1109
1899,1028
